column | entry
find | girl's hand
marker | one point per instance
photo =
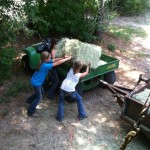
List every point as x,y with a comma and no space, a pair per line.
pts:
70,57
89,64
66,56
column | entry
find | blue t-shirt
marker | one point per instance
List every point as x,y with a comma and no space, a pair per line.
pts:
39,76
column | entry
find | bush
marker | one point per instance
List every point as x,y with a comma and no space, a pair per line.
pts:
68,18
6,62
135,7
128,7
111,47
20,86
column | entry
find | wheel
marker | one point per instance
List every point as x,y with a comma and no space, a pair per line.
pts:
25,64
110,77
79,89
69,99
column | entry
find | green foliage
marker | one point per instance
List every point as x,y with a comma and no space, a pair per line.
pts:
134,7
5,100
126,33
67,18
20,86
5,23
129,7
111,47
12,21
142,54
6,62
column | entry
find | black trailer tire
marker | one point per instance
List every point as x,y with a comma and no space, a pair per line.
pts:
25,64
110,77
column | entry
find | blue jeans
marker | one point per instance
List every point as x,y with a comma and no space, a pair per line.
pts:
33,97
77,97
55,80
34,100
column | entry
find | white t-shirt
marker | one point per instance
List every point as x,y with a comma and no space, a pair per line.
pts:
70,81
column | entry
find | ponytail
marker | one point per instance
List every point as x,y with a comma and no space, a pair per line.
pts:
53,43
44,56
77,65
39,65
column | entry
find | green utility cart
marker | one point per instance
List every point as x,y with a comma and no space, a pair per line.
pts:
105,72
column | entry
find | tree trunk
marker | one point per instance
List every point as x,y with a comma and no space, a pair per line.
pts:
100,19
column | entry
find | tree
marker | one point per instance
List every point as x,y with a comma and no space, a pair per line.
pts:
100,19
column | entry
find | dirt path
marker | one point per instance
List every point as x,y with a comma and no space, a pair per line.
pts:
102,130
143,22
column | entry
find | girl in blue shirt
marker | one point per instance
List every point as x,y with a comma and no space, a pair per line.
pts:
38,78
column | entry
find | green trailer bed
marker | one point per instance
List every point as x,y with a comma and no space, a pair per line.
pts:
105,72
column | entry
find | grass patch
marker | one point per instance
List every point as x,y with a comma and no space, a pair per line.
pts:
111,47
16,88
6,62
141,54
126,33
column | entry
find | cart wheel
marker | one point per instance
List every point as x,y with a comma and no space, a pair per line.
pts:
25,63
79,89
110,77
72,100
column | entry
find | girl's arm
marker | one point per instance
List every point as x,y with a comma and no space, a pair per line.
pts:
61,61
56,59
86,72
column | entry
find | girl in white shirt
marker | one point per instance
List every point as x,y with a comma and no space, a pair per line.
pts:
68,88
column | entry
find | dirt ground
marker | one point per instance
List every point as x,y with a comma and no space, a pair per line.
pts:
102,130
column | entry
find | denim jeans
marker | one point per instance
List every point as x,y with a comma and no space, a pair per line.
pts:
77,97
55,80
33,97
34,100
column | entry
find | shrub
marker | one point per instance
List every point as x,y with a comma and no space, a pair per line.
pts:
135,7
6,62
111,47
128,7
20,86
68,18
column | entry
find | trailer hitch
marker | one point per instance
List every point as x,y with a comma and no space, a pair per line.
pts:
118,91
133,133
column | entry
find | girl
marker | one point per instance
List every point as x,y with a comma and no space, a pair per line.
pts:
38,78
52,74
68,88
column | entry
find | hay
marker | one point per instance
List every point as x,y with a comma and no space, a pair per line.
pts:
79,51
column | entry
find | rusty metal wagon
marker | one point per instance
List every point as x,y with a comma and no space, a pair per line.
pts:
135,112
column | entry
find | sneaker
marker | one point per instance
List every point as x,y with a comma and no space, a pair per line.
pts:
81,118
58,119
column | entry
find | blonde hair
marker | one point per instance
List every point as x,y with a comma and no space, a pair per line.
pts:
44,56
77,65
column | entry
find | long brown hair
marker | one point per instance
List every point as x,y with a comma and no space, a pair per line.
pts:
77,65
53,43
44,55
